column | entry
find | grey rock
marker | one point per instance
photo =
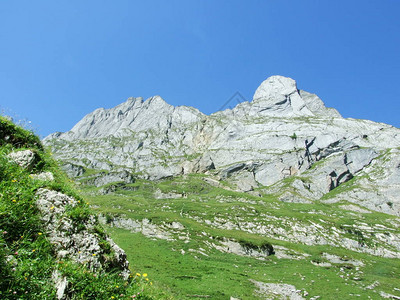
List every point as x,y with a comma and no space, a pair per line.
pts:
285,253
278,290
388,296
158,194
144,226
278,96
73,170
25,158
110,188
45,176
317,107
232,169
231,246
245,181
120,259
311,233
83,245
104,178
61,284
377,186
355,209
339,260
356,160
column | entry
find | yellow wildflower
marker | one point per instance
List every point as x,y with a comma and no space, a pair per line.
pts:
39,233
138,274
144,274
52,207
147,279
94,254
33,250
14,200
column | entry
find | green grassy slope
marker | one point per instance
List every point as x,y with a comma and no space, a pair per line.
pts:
189,259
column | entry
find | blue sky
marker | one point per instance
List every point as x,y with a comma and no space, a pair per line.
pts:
60,60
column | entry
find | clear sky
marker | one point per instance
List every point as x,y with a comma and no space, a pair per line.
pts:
60,60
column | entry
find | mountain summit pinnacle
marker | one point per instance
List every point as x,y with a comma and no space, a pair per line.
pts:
278,96
276,87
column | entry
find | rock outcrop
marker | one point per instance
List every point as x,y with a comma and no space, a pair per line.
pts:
71,229
77,238
284,140
25,158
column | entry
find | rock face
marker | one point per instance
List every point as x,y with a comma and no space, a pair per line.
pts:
80,243
285,141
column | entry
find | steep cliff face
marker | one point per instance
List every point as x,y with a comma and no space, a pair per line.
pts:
282,133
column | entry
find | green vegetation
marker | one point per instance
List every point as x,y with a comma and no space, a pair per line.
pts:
27,258
188,260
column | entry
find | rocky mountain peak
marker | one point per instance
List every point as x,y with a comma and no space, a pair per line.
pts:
278,96
275,87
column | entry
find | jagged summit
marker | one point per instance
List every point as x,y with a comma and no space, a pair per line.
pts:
279,96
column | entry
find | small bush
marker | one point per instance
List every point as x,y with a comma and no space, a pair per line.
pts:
18,137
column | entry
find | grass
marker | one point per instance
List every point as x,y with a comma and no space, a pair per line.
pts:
221,275
27,259
192,268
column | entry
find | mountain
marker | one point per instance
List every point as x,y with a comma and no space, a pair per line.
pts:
285,142
277,198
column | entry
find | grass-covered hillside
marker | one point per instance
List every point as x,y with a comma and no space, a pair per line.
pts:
204,240
33,263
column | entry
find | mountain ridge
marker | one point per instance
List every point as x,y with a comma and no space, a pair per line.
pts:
267,91
284,132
